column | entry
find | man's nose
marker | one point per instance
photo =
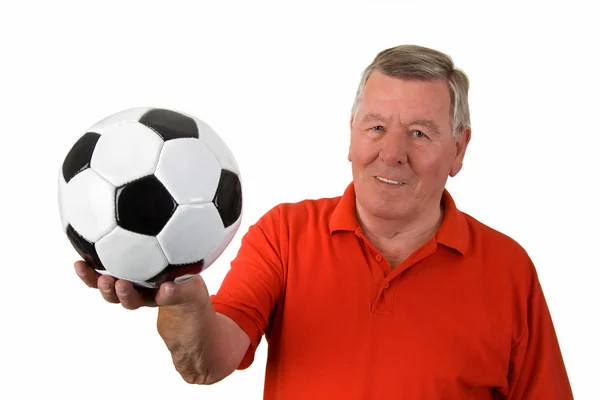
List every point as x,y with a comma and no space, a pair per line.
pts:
394,148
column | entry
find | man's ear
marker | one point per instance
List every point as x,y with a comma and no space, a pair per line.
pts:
350,146
461,148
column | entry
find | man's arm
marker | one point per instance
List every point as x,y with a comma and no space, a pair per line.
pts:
205,346
212,336
537,369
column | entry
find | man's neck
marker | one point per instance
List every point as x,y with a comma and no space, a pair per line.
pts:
407,234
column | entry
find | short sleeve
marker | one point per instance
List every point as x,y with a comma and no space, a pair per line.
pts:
252,287
537,366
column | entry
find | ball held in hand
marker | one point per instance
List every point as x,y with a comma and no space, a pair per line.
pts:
150,195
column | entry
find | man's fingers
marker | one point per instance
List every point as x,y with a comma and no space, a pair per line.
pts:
192,291
87,274
106,285
130,298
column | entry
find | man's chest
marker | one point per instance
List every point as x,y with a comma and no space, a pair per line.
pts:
422,329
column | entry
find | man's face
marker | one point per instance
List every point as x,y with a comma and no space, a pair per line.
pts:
401,148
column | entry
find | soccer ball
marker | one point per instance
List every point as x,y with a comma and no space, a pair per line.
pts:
150,195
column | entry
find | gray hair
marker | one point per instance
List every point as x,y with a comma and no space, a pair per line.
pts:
422,63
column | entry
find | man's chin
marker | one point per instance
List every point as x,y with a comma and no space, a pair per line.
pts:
394,208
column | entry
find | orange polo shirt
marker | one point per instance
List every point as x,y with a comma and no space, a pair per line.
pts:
464,317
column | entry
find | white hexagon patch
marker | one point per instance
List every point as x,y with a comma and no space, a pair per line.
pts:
126,152
228,236
129,115
189,171
131,256
62,190
192,233
217,145
89,205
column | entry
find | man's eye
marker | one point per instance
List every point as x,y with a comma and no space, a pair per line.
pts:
378,128
418,133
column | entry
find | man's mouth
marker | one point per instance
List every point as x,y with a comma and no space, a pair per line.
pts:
386,180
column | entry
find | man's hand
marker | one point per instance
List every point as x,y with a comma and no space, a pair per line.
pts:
205,346
123,292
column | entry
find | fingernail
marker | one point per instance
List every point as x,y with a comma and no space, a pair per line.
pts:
79,270
169,289
104,286
121,291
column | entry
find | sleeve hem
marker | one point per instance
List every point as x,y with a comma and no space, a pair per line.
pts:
247,324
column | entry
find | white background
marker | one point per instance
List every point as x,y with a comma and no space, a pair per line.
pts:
277,82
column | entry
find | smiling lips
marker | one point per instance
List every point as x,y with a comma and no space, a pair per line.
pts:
386,180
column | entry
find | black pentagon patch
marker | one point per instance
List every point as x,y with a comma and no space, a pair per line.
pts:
80,155
173,271
144,206
86,249
170,124
228,198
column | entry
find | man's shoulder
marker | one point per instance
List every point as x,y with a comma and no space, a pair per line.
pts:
303,210
488,232
496,244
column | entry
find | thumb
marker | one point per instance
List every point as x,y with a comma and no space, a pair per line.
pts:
190,293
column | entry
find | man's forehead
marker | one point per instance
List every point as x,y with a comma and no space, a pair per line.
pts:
384,102
404,115
378,75
376,117
389,117
381,87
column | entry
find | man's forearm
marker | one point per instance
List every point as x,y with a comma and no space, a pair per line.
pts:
196,341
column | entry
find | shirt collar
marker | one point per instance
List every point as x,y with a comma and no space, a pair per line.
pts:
453,232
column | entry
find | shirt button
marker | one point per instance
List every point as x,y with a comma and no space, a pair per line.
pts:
387,285
378,257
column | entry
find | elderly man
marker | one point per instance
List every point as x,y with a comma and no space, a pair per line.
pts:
388,291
